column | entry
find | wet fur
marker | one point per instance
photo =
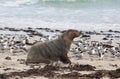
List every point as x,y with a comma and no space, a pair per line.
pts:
52,50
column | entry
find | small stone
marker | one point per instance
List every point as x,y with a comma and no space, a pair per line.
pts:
8,58
104,39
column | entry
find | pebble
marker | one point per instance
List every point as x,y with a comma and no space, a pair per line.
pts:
8,58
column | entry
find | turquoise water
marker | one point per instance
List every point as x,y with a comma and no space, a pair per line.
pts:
61,14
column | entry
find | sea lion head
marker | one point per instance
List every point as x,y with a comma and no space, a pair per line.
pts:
74,33
71,33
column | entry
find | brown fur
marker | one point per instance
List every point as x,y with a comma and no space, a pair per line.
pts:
54,50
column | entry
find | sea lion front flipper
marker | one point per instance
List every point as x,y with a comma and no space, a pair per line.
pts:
65,59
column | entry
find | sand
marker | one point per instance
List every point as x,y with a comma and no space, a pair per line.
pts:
13,65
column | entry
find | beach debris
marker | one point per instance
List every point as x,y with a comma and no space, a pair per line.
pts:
83,67
50,71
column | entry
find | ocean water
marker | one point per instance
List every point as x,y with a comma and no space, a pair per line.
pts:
61,14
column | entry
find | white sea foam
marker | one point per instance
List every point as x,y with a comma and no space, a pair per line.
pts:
23,23
61,14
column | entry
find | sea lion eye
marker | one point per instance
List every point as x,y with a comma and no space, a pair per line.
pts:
74,34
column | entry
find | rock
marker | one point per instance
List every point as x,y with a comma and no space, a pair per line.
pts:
85,35
57,30
110,30
104,39
8,58
37,33
13,29
1,28
22,61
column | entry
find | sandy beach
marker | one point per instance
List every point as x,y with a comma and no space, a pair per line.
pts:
12,64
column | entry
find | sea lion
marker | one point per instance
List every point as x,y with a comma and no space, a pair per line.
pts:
55,50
